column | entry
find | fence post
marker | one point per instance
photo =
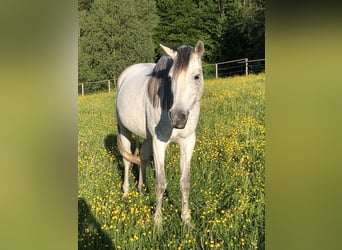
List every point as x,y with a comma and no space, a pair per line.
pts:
246,62
108,85
216,70
82,87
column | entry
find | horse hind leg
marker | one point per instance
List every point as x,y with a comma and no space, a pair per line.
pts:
145,154
124,139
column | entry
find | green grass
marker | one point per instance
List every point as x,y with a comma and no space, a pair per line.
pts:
227,176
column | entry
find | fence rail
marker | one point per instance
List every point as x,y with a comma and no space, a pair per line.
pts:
110,84
222,69
238,66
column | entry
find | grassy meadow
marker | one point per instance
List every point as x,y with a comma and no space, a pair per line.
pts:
227,176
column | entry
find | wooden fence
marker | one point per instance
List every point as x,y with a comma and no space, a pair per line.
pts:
238,66
109,82
222,69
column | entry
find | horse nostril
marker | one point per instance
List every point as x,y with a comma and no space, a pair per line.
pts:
178,118
181,117
170,115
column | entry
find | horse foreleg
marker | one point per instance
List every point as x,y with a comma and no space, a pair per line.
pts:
186,147
159,149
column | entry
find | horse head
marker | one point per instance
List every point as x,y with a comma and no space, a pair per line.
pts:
186,81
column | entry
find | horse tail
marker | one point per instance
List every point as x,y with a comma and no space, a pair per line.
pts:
126,155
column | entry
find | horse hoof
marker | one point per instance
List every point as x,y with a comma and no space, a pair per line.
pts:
188,225
158,220
187,220
158,228
143,191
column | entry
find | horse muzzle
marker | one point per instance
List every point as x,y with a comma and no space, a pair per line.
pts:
178,118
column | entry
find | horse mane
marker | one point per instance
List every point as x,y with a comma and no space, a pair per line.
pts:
159,85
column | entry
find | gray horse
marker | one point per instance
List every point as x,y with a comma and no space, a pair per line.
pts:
161,103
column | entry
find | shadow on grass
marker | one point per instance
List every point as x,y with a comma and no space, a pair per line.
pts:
90,234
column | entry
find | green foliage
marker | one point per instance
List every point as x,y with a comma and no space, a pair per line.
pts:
243,30
113,35
229,29
227,176
117,33
209,70
187,21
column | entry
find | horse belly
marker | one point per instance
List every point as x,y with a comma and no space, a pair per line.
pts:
130,100
135,121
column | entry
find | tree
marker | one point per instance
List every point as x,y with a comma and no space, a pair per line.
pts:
187,21
116,33
243,29
230,29
113,35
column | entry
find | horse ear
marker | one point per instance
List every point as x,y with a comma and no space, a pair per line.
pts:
168,51
199,49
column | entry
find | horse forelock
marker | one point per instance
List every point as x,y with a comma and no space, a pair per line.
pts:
183,59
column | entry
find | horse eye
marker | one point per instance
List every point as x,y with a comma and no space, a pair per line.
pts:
197,77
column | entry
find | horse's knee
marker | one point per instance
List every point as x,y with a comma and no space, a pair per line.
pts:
185,185
186,217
